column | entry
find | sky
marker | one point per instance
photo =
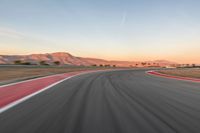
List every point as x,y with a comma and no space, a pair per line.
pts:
133,30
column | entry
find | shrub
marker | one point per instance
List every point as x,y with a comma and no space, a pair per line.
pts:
18,62
57,63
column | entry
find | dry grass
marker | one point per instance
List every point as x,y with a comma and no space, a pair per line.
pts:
192,73
19,72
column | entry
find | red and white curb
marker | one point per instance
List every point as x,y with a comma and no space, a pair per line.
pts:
155,73
20,100
16,93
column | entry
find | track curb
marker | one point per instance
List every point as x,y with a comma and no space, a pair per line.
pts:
155,73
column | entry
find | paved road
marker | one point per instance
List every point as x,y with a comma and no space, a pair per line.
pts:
127,101
12,92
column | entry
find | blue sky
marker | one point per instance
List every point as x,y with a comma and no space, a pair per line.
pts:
110,29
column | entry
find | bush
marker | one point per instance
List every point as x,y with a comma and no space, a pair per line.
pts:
107,65
57,63
18,62
43,63
26,63
94,65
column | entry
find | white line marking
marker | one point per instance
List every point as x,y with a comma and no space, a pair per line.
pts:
172,77
29,96
30,80
3,109
1,86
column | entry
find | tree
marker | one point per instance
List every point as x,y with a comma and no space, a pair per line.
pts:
187,65
57,63
114,65
101,65
143,63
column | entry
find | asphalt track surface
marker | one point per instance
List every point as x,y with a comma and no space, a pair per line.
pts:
127,101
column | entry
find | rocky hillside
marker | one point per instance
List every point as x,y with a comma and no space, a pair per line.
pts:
67,59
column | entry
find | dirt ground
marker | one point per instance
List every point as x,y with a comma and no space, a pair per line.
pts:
193,73
9,73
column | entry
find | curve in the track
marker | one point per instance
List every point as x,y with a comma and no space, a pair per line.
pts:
127,101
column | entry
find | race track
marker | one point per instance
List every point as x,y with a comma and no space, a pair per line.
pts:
125,101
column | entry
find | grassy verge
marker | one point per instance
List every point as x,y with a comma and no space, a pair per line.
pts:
192,73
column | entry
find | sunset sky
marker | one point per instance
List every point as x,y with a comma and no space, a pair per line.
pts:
135,30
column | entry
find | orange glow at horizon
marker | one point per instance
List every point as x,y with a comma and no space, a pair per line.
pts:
181,58
129,31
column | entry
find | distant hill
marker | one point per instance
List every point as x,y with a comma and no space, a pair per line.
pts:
68,59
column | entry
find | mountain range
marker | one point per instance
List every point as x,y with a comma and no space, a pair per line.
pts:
65,58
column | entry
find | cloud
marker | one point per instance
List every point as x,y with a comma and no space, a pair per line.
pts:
123,20
13,36
11,33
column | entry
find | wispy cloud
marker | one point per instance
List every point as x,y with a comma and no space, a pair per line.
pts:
123,20
11,33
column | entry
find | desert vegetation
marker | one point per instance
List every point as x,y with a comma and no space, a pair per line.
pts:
19,62
57,63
